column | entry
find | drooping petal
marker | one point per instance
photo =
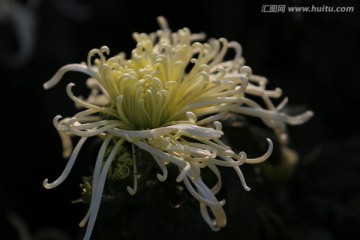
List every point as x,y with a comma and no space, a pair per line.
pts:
68,167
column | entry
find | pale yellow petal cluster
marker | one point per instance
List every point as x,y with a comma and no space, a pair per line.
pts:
168,99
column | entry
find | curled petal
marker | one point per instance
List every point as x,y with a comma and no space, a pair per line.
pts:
163,169
59,125
68,167
263,157
88,105
67,68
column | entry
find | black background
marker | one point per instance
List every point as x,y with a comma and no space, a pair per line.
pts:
313,57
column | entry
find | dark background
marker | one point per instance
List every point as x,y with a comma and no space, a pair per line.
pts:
313,57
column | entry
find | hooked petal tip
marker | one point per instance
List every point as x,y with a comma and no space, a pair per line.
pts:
46,184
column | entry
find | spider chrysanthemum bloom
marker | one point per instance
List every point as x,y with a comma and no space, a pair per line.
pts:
168,99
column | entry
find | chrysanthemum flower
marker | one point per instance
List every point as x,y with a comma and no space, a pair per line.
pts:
168,99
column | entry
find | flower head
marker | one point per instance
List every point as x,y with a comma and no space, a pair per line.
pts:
168,99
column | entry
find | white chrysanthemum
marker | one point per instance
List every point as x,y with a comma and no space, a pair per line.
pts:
168,99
